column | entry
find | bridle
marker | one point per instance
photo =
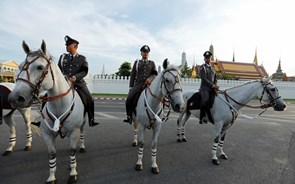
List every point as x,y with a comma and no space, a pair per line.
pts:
168,93
166,100
176,81
36,87
262,104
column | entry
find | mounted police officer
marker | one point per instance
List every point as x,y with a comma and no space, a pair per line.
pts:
75,67
208,88
142,74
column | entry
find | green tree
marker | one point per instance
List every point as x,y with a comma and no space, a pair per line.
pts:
124,70
186,71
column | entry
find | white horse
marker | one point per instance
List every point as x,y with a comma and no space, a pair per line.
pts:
165,88
7,114
63,113
226,109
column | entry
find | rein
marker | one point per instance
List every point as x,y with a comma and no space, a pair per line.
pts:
166,99
262,106
52,98
58,121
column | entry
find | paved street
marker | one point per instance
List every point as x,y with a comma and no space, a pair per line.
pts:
260,151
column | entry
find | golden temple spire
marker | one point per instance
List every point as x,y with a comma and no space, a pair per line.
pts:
255,57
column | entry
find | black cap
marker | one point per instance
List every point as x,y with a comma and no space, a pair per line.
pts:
145,48
70,40
207,54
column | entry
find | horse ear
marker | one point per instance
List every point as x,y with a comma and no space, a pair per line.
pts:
26,48
165,63
43,47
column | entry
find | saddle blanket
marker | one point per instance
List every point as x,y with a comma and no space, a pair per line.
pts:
194,102
4,92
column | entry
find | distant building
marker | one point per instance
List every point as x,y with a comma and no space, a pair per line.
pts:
7,71
279,75
183,58
240,70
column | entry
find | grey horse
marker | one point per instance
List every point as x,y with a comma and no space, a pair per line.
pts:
63,112
227,107
165,88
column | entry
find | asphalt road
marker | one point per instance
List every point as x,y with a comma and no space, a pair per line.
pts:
260,151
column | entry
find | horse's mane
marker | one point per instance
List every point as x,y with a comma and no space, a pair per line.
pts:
249,82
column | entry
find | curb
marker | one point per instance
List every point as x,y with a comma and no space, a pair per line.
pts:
107,98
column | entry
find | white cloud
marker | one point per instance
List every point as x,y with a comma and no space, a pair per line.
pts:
111,32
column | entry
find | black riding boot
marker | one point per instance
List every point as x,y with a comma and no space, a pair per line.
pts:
203,118
92,123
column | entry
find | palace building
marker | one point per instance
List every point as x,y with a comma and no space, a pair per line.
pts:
7,71
239,70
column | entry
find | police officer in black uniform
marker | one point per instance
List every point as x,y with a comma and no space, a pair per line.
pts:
142,74
208,87
75,67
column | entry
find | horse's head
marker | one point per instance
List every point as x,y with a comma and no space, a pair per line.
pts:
171,87
32,78
269,94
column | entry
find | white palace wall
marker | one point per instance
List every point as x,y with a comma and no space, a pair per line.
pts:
120,85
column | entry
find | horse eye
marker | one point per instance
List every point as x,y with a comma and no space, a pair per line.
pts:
40,67
273,89
166,80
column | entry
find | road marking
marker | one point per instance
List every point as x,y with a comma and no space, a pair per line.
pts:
106,115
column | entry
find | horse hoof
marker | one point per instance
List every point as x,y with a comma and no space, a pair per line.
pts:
155,170
134,144
73,179
51,182
184,140
6,153
215,161
28,148
139,167
224,157
178,140
82,150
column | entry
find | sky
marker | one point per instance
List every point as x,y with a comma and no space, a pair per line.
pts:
111,32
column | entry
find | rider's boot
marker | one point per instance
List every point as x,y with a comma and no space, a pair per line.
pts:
203,118
92,123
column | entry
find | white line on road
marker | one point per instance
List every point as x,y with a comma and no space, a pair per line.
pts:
106,115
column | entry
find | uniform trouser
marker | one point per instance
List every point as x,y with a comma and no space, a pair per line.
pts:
207,102
90,107
132,98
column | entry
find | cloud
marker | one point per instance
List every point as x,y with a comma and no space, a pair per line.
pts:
111,32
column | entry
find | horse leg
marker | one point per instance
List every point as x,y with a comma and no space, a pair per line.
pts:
135,129
139,166
12,137
215,144
181,126
26,113
220,147
156,132
50,142
73,164
82,145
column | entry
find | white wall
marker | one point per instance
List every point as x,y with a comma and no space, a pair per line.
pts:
117,85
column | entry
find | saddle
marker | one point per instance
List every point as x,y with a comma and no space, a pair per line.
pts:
195,103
